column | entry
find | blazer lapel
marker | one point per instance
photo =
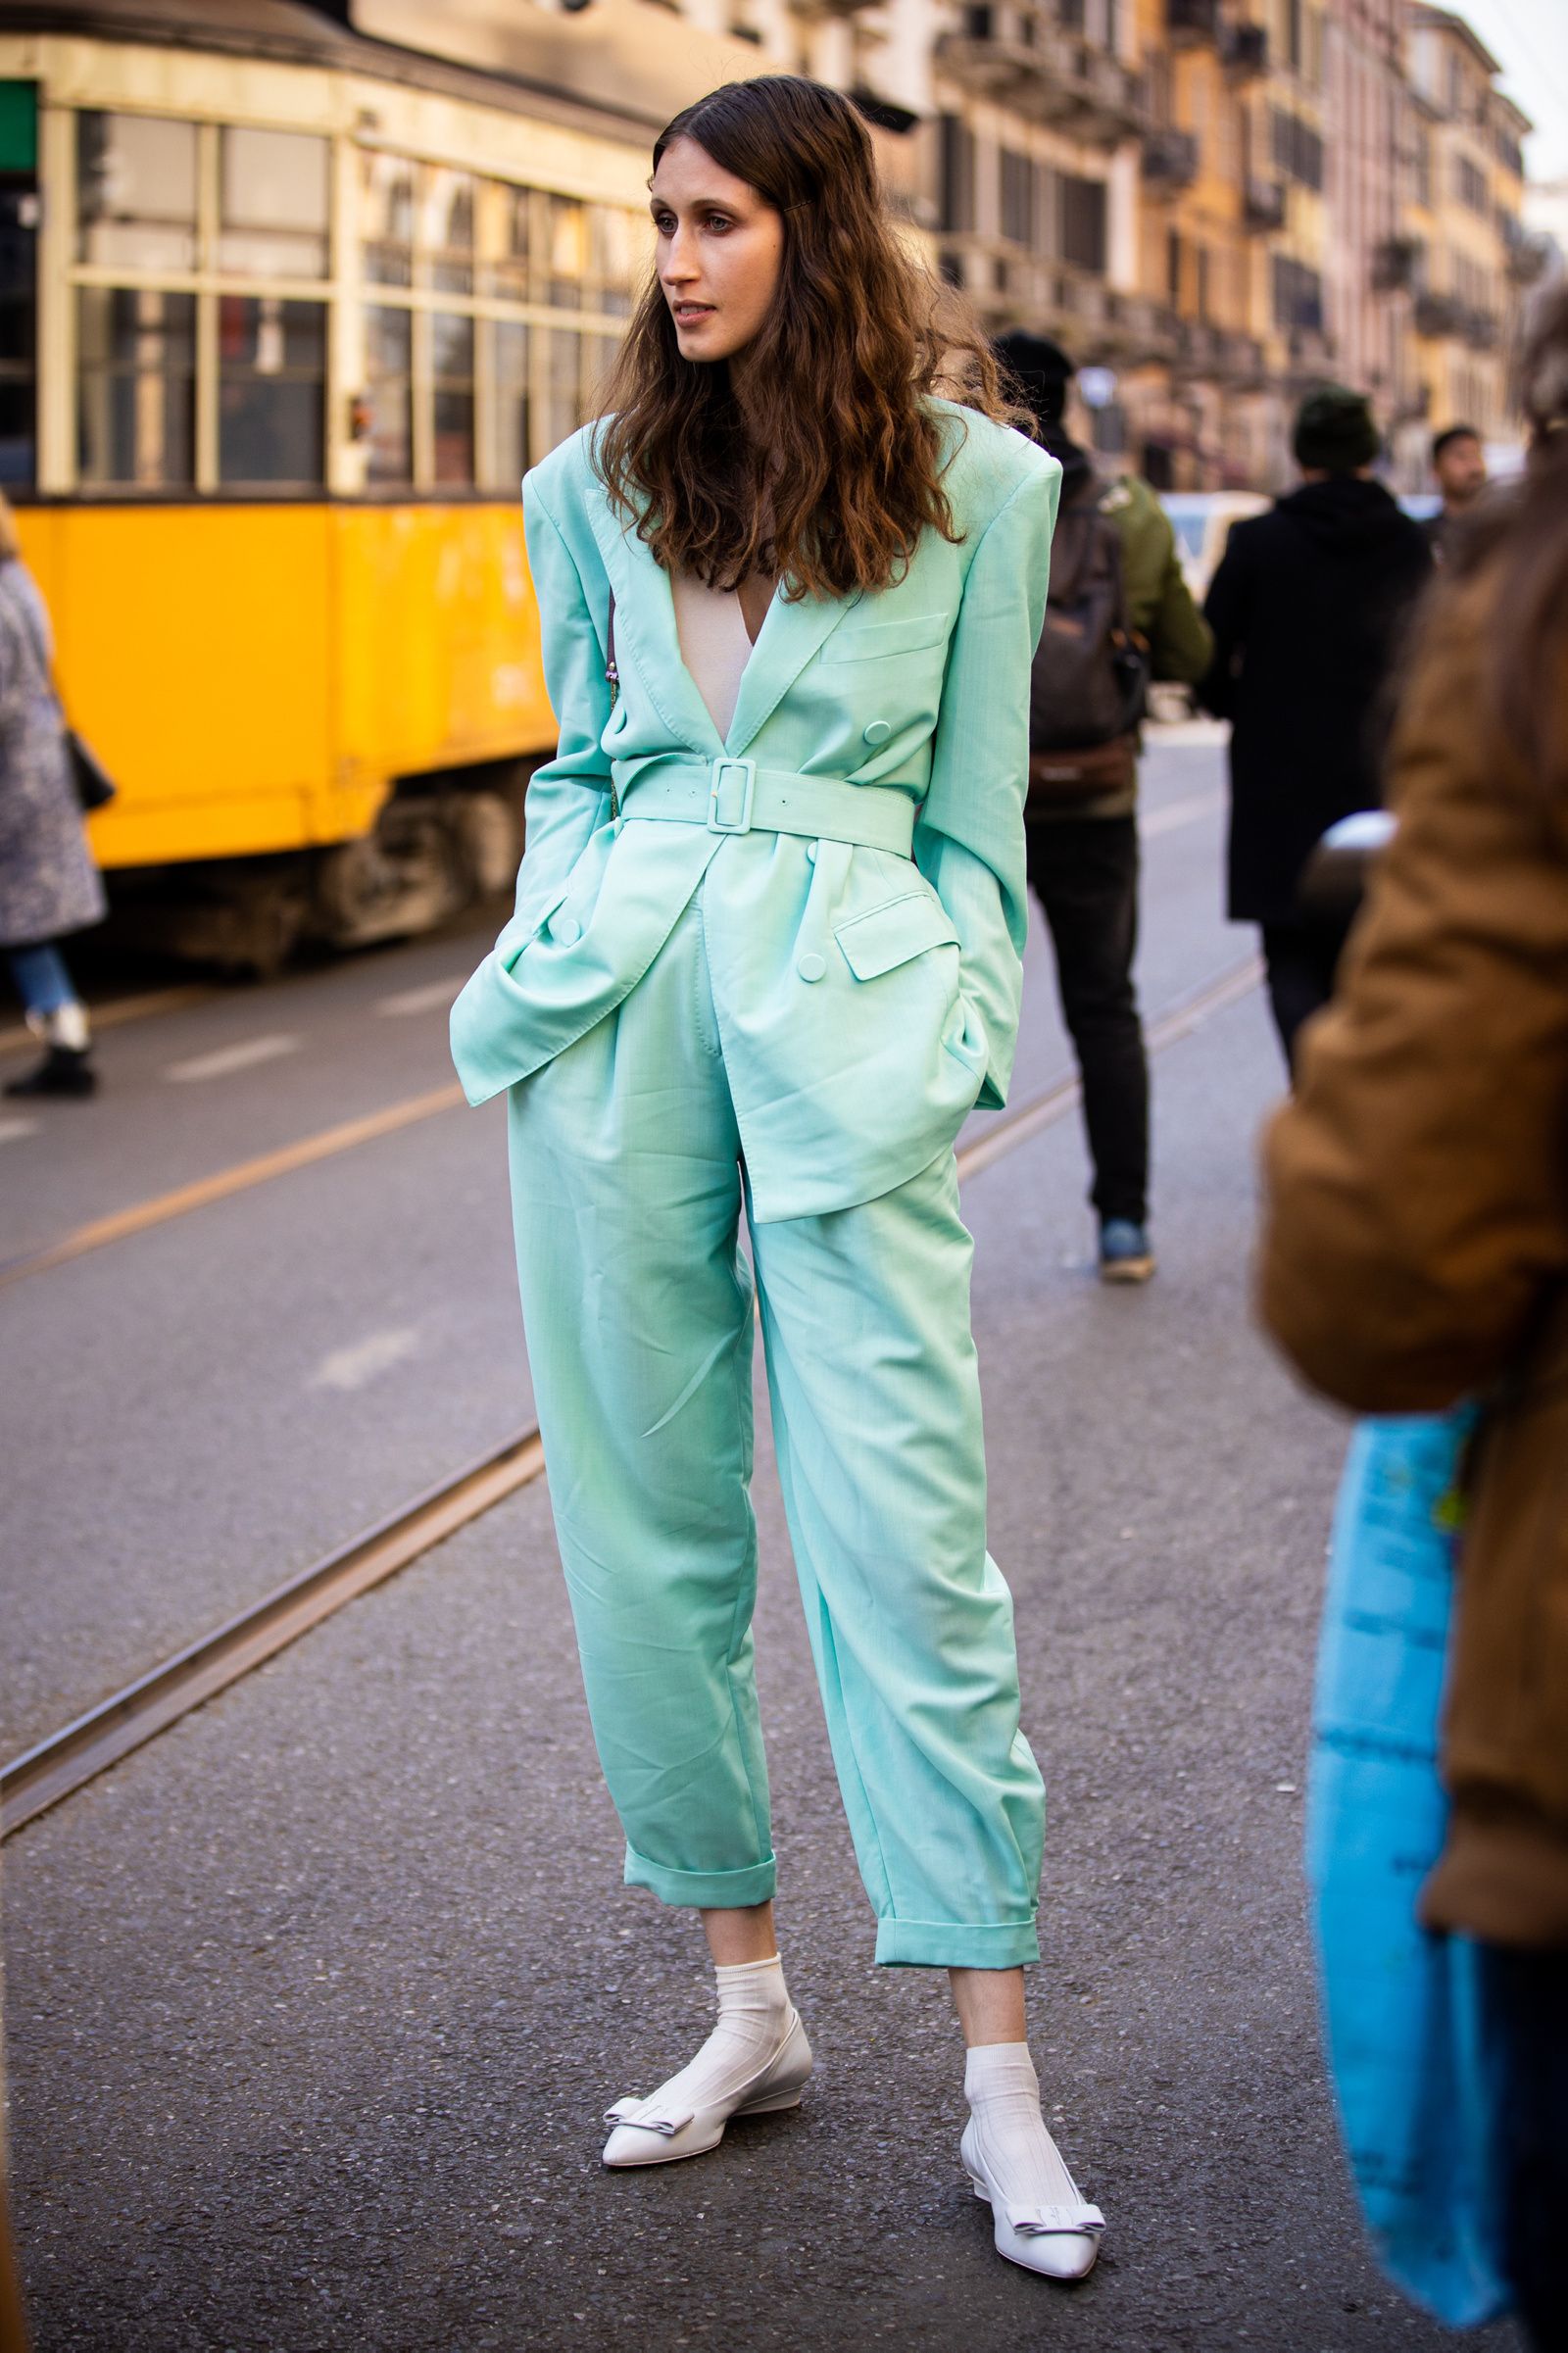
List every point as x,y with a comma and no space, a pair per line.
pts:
788,638
645,627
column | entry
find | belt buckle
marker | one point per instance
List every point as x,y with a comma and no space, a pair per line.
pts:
721,772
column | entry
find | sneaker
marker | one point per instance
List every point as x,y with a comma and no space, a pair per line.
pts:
64,1071
1126,1254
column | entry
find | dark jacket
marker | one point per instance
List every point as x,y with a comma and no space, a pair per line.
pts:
1308,609
1416,1243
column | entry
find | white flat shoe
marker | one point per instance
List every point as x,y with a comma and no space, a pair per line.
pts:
657,2130
1061,2241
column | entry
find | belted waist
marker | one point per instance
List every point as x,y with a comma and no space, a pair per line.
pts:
736,796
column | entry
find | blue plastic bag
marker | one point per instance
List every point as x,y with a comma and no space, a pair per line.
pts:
1401,2006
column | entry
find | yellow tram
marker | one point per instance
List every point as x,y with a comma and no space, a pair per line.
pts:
285,312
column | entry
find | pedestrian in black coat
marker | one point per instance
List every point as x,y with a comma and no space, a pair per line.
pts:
1310,608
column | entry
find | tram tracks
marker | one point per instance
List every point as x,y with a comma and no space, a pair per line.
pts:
65,1761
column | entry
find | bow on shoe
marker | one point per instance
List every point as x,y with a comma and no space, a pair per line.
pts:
1043,2221
649,2117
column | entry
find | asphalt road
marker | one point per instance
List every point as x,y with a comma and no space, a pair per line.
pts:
314,2004
214,1403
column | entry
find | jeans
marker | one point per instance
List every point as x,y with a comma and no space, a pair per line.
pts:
1303,959
42,981
1084,872
1526,1996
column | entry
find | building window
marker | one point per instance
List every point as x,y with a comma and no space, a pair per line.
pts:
389,388
136,355
1018,198
1297,296
1469,185
957,174
1202,282
135,192
271,385
566,247
1298,149
273,198
1083,222
1173,264
386,206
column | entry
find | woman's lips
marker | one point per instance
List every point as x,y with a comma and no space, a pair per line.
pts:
687,313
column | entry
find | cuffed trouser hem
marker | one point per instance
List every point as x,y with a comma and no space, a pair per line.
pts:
728,1890
950,1944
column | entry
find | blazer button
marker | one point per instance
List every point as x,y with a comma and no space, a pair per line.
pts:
811,966
568,930
878,731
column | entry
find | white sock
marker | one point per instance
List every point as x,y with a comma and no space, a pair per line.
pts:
754,2017
66,1026
1003,2096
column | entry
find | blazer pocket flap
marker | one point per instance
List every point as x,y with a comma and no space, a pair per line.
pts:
886,936
865,642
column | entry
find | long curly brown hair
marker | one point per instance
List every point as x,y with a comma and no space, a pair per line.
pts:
823,465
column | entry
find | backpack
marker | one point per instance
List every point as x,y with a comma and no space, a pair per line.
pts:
1087,686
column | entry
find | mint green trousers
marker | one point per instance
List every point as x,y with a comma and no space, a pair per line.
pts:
629,1189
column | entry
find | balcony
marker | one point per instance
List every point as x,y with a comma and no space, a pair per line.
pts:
1395,263
1244,48
1188,22
1169,159
1217,352
1437,314
1527,254
1264,204
1023,58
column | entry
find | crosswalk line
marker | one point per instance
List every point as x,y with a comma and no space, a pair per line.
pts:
432,995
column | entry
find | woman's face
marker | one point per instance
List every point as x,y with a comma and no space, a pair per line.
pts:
720,249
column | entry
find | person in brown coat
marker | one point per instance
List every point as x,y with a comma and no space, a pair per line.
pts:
1416,1248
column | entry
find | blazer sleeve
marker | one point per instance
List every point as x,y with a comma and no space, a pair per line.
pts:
1417,1184
970,842
567,795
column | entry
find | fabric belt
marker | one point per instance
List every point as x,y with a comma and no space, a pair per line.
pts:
736,796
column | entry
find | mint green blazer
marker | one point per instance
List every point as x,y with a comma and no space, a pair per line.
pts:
866,1001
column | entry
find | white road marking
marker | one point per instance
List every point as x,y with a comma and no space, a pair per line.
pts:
363,1360
232,1057
1176,814
12,1131
425,1000
1188,731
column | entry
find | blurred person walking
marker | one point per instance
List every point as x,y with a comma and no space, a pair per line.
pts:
1459,465
49,884
1082,831
790,596
1308,606
1416,1252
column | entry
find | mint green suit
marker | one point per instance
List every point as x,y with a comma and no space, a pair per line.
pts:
741,974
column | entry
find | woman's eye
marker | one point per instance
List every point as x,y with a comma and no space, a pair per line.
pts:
719,222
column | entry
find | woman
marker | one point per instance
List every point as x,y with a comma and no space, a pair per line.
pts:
48,882
1417,1248
740,972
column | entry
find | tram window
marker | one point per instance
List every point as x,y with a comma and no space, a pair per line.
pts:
388,214
272,381
137,358
447,230
567,251
562,388
275,204
506,459
389,385
135,192
614,257
452,368
19,239
600,354
508,276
